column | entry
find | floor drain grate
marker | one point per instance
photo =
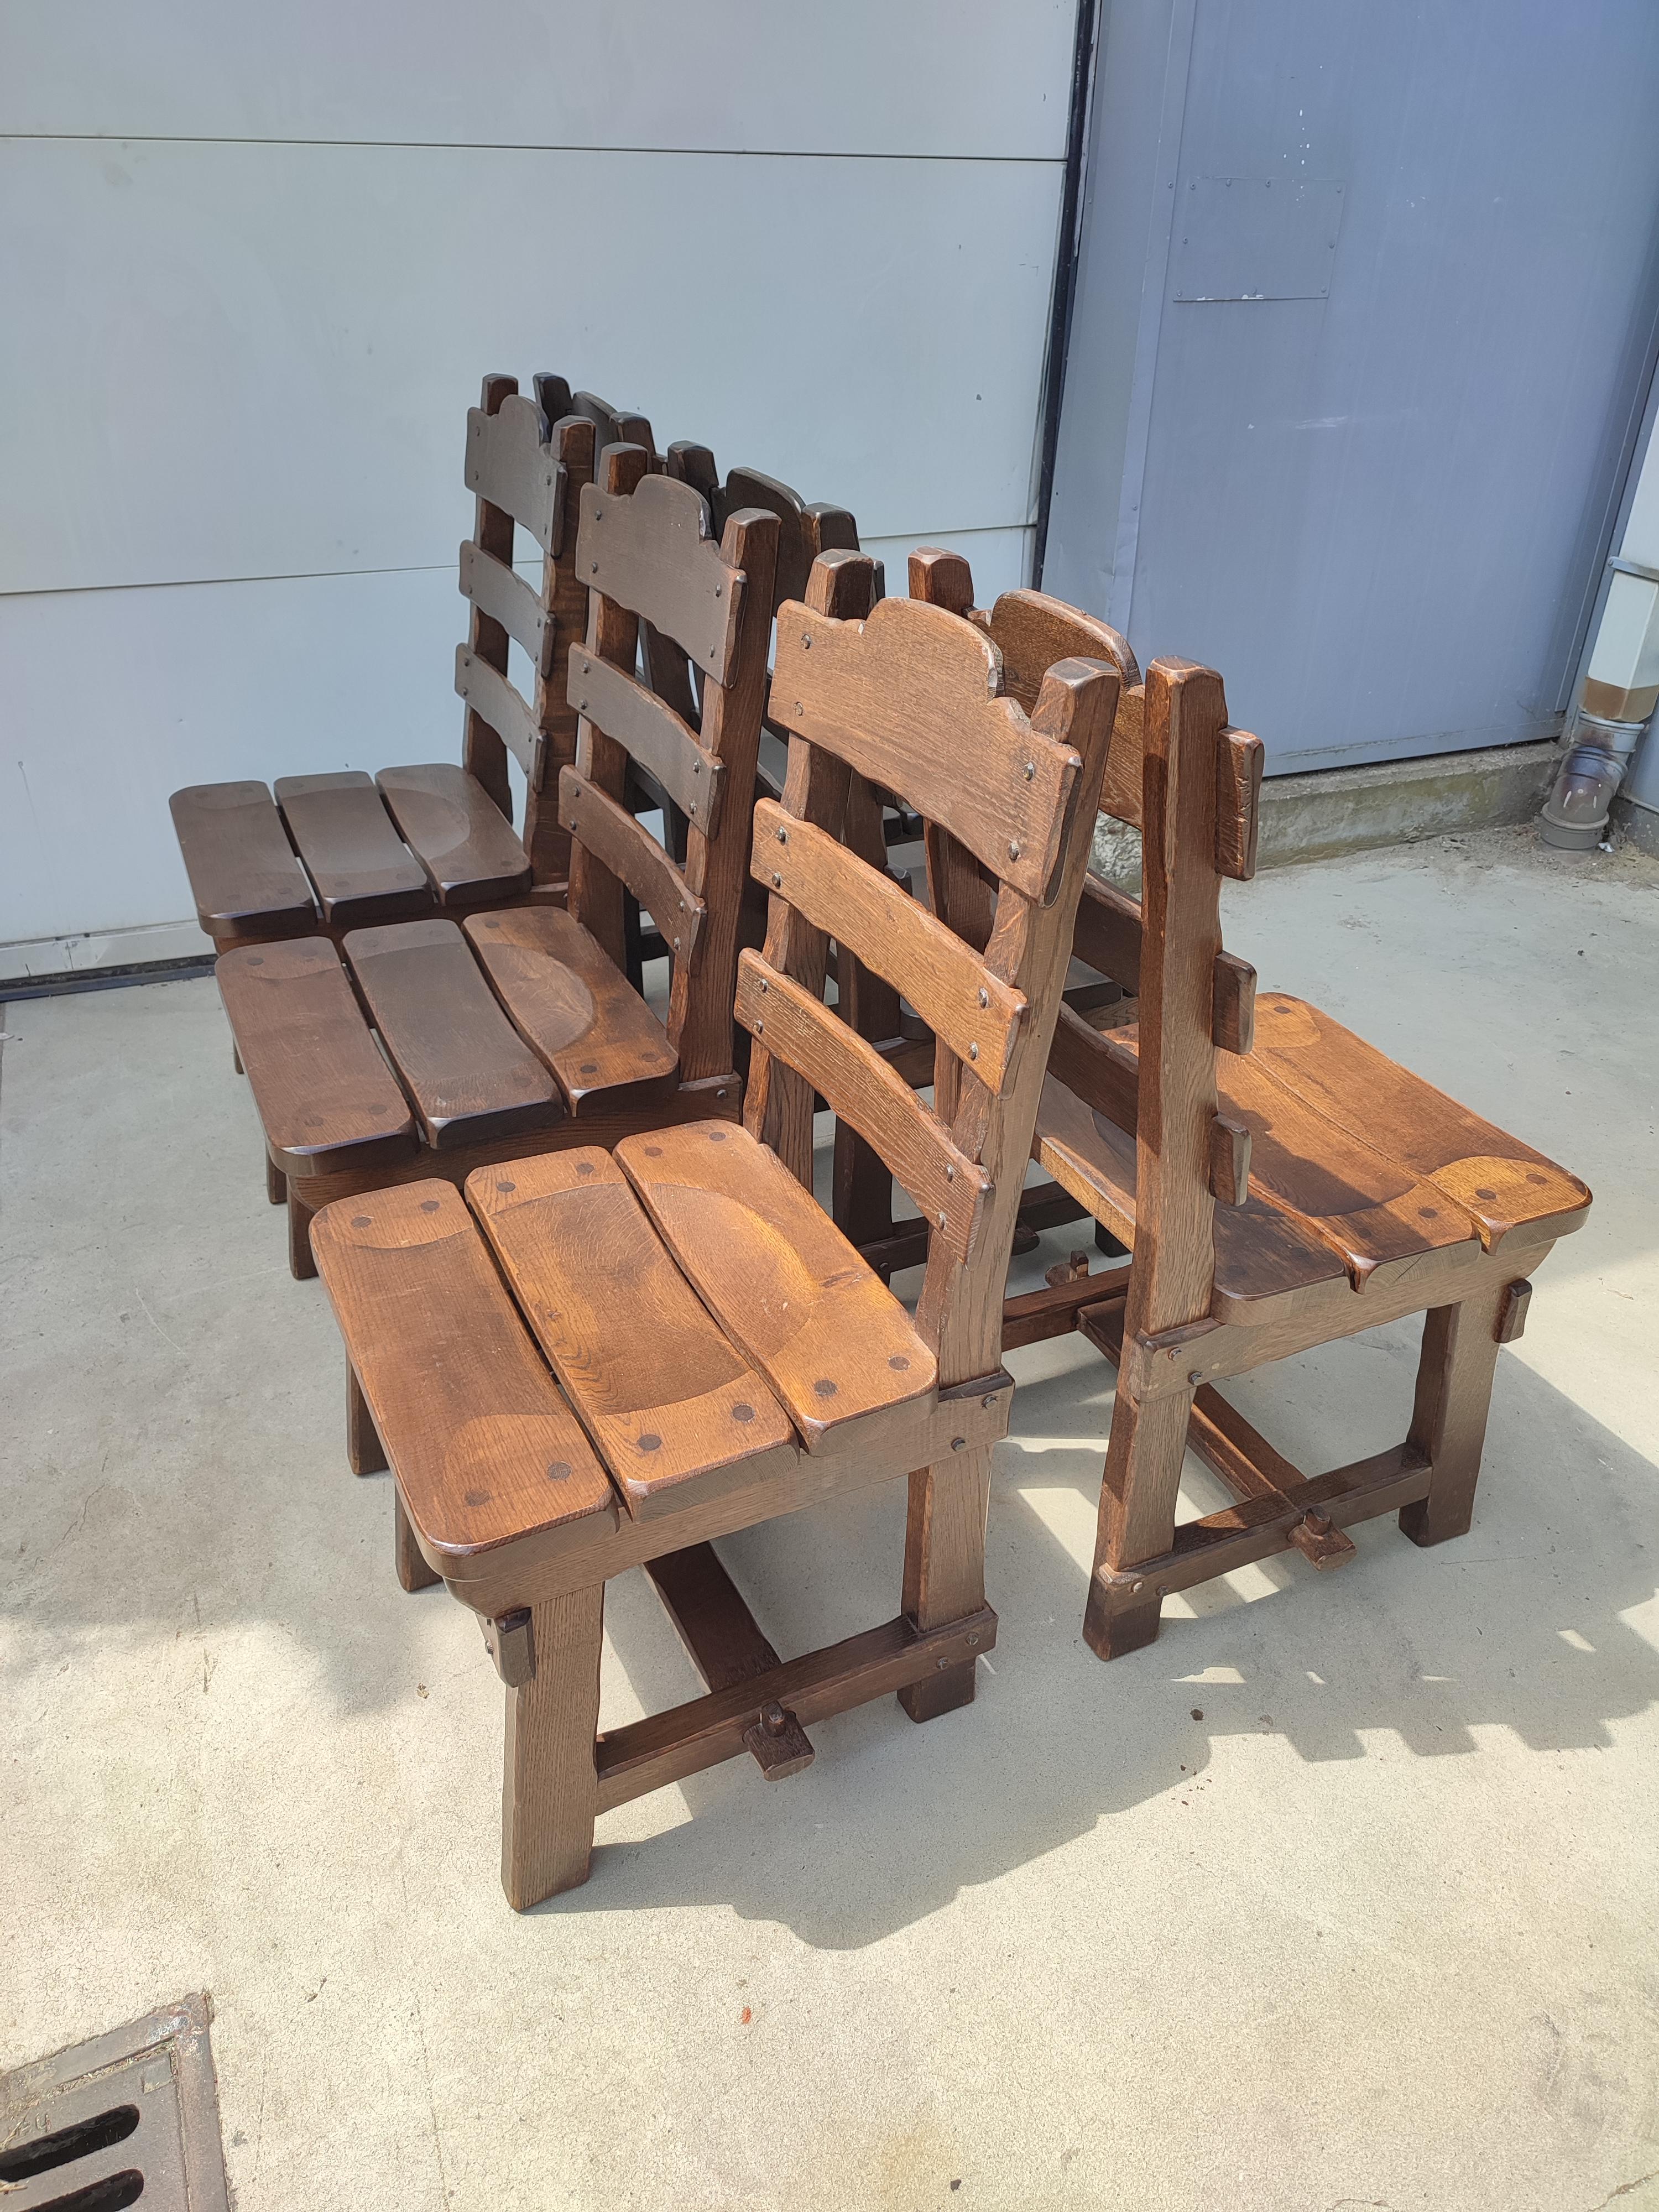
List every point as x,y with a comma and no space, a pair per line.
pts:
131,2117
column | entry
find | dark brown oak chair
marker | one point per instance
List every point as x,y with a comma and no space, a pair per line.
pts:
432,1047
338,852
719,1353
1280,1183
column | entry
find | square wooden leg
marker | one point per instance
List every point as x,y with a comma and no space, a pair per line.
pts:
365,1452
945,1568
300,1265
1448,1420
1137,1518
413,1572
549,1783
276,1183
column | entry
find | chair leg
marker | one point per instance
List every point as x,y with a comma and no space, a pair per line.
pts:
413,1572
1448,1420
1137,1518
945,1568
276,1183
365,1452
300,1265
550,1781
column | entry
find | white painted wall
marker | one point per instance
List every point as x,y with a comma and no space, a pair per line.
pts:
254,262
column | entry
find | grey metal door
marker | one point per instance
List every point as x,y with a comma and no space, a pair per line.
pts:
1366,303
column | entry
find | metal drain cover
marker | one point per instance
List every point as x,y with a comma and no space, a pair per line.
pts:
130,2118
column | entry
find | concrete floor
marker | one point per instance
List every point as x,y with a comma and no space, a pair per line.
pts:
1342,1895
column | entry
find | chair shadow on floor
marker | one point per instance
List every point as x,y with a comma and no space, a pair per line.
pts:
1516,1626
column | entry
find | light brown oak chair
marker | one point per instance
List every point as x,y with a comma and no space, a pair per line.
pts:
1280,1183
719,1353
338,852
428,1048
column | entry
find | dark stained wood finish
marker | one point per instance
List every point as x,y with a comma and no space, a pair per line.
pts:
673,1408
654,735
484,1446
1109,940
361,870
620,841
322,1092
509,465
495,701
785,1284
726,1646
902,706
458,835
573,1009
498,591
653,554
469,1075
243,875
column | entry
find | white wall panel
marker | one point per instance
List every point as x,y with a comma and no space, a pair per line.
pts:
883,76
111,700
254,359
1000,559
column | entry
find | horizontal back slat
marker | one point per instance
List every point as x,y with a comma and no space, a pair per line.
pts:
502,594
1102,1072
1107,937
621,842
899,699
612,425
973,1012
652,553
655,736
1032,632
494,700
508,464
858,1085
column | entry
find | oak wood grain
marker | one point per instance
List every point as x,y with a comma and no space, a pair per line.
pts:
460,837
361,869
574,1009
244,877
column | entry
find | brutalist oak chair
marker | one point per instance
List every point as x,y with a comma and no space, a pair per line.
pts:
518,1030
337,851
1281,1184
718,1353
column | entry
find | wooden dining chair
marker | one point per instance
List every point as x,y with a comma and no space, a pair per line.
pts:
335,852
1280,1183
428,1048
719,1354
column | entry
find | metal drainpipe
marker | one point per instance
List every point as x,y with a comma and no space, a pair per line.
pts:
1620,685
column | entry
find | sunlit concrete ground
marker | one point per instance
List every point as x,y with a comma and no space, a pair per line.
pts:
1343,1894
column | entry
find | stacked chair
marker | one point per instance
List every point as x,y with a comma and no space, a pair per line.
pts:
594,1316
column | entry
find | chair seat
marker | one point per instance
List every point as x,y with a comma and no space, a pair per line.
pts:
357,851
1360,1172
503,1029
674,1405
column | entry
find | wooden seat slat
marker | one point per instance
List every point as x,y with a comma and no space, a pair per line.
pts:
575,1008
502,594
457,832
1500,1182
360,867
658,739
470,1074
484,1445
324,1092
675,1410
243,875
495,701
781,1279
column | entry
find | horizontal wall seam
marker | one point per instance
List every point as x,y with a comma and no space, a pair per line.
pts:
414,568
515,146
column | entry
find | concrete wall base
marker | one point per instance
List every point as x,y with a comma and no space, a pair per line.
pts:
1334,810
1639,823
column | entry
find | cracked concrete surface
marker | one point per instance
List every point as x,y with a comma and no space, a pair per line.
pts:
1343,1894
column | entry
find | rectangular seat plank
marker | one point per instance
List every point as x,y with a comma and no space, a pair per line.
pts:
484,1445
457,832
674,1409
325,1096
575,1008
362,871
1501,1182
471,1075
973,1011
783,1282
243,875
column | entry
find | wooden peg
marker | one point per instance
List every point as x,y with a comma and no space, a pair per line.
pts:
510,1643
777,1743
1229,1161
1512,1313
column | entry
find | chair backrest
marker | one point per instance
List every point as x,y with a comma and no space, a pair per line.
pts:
646,551
1189,782
909,698
527,461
